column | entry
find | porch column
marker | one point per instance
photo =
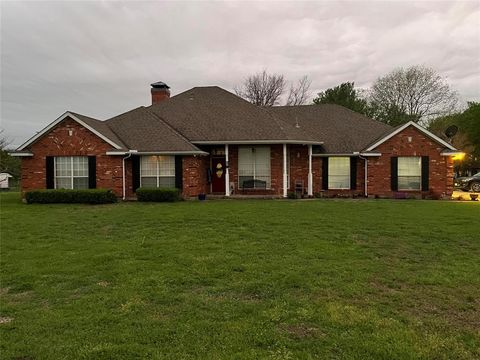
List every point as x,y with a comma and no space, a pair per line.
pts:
227,173
310,176
285,178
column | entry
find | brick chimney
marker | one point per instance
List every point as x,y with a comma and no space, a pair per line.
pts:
160,91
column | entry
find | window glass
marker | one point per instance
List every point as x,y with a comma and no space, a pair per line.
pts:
157,171
409,173
254,167
148,166
71,172
80,166
63,166
63,183
166,165
339,173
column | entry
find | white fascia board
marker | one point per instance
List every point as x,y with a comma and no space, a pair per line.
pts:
336,155
60,119
370,154
451,152
156,152
257,142
418,127
20,154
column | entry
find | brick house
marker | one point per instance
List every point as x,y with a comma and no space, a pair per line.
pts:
207,140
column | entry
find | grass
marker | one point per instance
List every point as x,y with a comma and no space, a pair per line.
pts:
220,279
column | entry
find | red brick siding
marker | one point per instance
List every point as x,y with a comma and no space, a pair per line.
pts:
82,142
195,175
298,166
440,168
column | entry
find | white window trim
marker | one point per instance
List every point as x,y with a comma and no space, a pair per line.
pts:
71,177
157,173
349,187
420,176
269,187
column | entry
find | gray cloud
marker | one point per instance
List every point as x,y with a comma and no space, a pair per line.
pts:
98,58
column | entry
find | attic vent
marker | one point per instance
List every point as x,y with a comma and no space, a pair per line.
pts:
297,125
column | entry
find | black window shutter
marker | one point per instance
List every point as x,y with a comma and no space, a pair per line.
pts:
135,172
325,173
353,173
425,172
92,172
50,175
394,172
178,172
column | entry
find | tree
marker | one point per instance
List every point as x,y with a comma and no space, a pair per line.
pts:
468,136
346,95
299,95
262,89
416,93
8,163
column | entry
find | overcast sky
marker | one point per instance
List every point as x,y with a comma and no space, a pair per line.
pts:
98,58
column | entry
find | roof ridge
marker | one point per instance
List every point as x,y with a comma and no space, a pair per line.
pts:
121,114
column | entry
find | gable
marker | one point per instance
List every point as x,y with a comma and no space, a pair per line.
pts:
418,129
73,117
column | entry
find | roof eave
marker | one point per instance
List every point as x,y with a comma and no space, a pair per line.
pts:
256,142
20,154
60,119
403,127
160,152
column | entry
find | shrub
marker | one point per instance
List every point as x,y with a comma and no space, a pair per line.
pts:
88,196
292,195
158,195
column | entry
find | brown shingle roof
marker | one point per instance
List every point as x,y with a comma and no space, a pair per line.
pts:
342,130
101,127
214,114
210,114
142,130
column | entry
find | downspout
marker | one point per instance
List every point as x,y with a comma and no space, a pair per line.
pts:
130,152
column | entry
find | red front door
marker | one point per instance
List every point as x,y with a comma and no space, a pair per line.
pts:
218,175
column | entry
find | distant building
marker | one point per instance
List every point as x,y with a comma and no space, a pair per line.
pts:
5,181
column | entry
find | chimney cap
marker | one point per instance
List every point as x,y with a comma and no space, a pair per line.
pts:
160,85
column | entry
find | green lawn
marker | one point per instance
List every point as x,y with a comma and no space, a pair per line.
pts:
239,279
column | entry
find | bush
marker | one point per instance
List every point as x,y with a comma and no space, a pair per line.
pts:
90,196
158,195
292,195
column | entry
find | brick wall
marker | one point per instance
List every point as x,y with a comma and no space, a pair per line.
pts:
440,168
195,175
71,139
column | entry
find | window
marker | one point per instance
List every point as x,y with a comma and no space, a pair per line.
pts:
339,173
409,173
254,167
71,172
157,171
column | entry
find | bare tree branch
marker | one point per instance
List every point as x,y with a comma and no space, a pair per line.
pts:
262,89
300,94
